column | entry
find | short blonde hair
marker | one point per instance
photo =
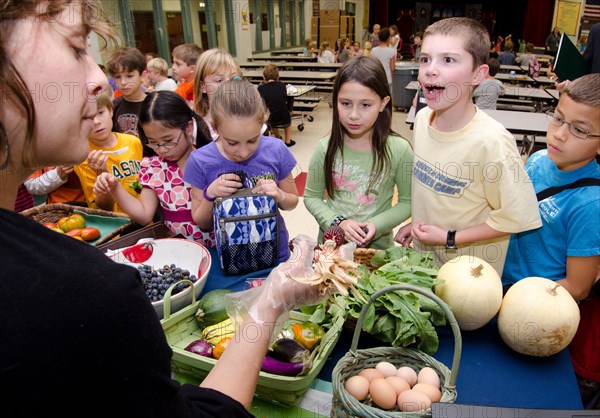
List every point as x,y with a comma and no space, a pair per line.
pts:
160,65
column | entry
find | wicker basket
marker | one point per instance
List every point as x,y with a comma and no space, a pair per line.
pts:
182,328
345,405
53,212
364,255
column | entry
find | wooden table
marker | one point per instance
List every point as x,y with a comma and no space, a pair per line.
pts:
282,57
308,66
298,77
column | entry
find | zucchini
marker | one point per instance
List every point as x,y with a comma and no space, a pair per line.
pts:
291,351
211,308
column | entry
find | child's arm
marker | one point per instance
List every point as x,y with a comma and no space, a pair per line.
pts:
48,181
202,200
434,235
141,210
285,193
581,274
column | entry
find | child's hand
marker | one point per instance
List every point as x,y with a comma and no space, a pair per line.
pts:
105,182
359,232
97,161
224,185
268,187
429,234
63,171
403,236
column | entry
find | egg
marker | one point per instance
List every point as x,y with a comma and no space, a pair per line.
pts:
388,369
371,374
413,400
382,394
432,392
358,387
430,376
407,374
399,384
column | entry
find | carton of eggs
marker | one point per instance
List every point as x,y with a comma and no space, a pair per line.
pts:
391,388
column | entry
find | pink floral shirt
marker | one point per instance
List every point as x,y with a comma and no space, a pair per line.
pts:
174,195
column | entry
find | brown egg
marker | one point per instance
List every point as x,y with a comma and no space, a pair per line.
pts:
408,374
413,400
382,394
432,392
358,387
399,384
371,374
387,368
430,376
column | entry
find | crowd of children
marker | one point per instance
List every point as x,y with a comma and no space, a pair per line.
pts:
206,129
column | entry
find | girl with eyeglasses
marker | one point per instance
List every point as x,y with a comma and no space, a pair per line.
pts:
172,131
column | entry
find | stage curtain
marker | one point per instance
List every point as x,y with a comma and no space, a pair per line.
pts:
538,21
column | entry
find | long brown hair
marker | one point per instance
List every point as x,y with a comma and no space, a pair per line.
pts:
370,73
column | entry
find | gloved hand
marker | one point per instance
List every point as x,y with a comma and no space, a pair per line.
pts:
279,294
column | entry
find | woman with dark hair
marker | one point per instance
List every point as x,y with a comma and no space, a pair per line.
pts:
79,336
353,172
172,130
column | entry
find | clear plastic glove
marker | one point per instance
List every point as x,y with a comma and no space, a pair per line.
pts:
278,294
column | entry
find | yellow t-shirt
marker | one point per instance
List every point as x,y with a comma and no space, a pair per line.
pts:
468,177
125,167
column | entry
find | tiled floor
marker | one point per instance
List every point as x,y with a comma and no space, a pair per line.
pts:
300,221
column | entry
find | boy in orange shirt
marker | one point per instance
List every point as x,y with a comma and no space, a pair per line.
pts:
184,65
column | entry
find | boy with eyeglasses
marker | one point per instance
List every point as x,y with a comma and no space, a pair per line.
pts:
110,152
567,246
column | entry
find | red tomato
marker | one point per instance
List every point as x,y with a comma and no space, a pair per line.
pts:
51,225
73,232
89,234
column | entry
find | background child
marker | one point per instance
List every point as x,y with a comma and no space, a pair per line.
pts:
278,102
214,67
126,66
238,113
469,187
416,46
326,55
184,66
487,92
358,166
386,55
124,165
171,128
158,71
507,57
60,185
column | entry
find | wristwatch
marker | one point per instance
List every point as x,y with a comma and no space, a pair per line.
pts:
451,241
338,220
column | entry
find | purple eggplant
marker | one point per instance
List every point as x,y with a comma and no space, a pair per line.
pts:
200,347
270,365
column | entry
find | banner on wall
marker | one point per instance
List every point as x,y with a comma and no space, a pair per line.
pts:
567,16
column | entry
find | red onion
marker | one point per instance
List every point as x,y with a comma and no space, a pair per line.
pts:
200,347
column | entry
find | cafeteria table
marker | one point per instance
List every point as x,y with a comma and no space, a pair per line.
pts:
489,373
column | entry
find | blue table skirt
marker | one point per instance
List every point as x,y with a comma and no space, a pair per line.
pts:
490,373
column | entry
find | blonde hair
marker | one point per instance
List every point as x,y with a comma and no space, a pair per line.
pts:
367,49
237,99
160,65
210,62
474,35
